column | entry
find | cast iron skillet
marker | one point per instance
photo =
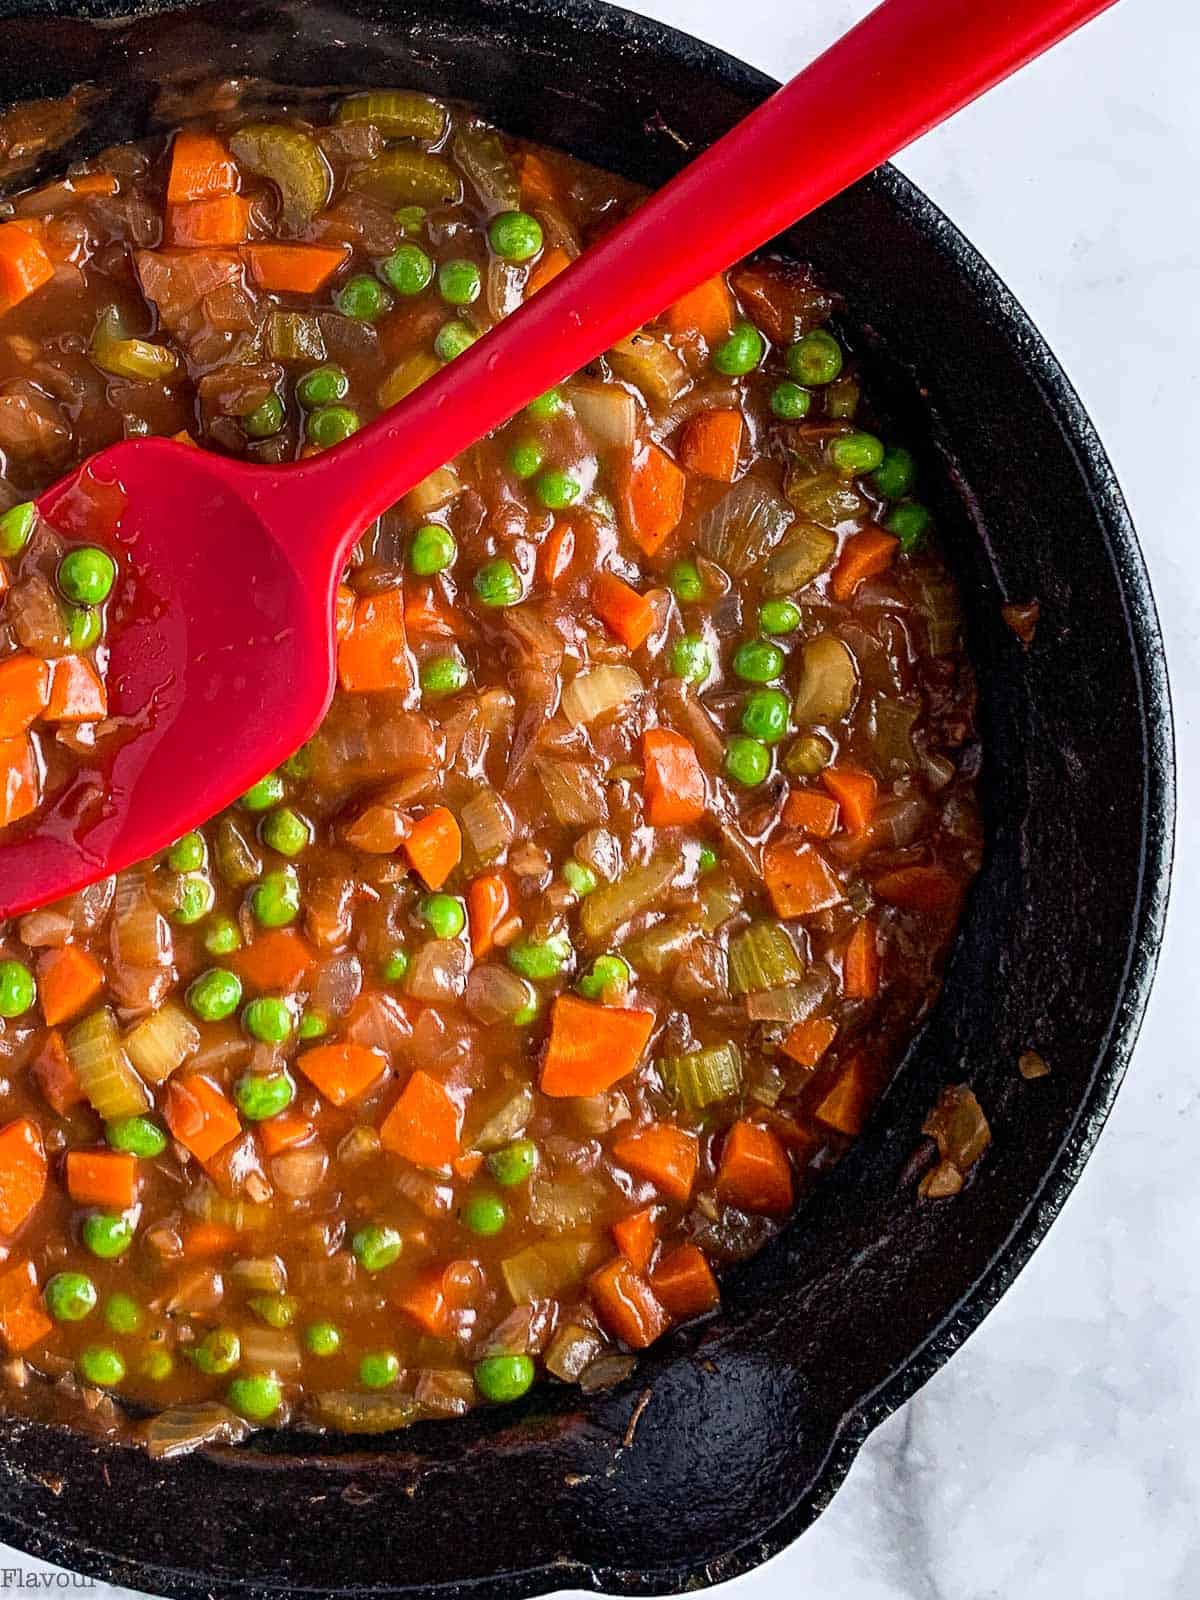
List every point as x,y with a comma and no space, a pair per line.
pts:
729,1439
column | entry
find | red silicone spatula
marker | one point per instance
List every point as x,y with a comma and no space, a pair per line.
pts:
222,653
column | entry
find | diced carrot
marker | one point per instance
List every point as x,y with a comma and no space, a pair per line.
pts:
650,491
23,1319
556,554
684,1284
204,1240
342,1072
932,890
711,444
200,1116
846,1105
799,879
294,268
860,963
20,779
621,608
24,692
434,846
24,264
94,183
277,960
284,1131
863,556
592,1046
816,814
425,1124
374,655
56,1077
67,979
184,437
855,792
636,1236
754,1174
426,610
209,224
676,791
808,1041
467,1165
423,1299
554,261
707,311
77,692
489,902
201,167
664,1155
538,184
626,1305
22,1172
102,1178
343,611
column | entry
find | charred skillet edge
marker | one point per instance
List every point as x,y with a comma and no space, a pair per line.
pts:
162,1572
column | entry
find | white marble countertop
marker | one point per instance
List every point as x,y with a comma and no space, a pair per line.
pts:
1055,1456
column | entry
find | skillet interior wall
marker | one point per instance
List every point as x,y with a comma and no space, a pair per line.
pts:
731,1446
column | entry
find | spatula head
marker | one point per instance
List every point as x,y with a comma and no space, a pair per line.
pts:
220,656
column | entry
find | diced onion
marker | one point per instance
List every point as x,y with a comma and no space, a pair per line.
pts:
828,680
743,526
605,910
293,336
508,1123
438,971
651,366
793,1002
572,1350
594,694
270,1349
805,552
182,1428
487,823
299,1173
162,1042
259,1274
495,994
574,793
433,492
608,412
140,934
351,1412
543,1270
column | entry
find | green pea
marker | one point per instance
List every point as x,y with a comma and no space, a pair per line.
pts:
188,854
443,915
498,583
790,401
70,1296
275,899
690,659
557,489
268,1019
408,269
452,339
376,1246
107,1234
758,661
394,967
485,1214
312,1026
362,297
443,675
765,715
156,1365
84,627
18,990
910,523
256,1397
218,1352
260,1095
322,1339
16,528
329,425
264,794
779,616
287,832
433,550
100,1365
607,978
322,386
542,959
741,352
530,1008
546,405
515,235
276,1310
215,994
807,755
122,1313
504,1378
514,1164
895,474
410,219
196,899
747,761
266,419
138,1136
379,1369
707,859
86,575
526,458
855,453
459,282
686,582
580,879
815,358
